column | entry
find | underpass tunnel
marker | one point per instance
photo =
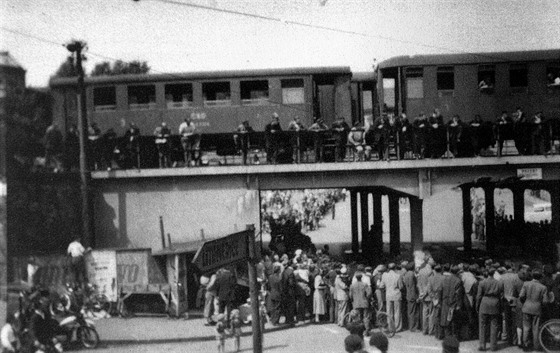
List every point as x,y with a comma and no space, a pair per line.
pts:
512,218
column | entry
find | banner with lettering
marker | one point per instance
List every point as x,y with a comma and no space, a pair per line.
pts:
101,268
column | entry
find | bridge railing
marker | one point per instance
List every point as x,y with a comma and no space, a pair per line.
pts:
315,147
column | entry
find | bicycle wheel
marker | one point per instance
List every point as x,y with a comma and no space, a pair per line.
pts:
88,336
384,324
549,336
60,305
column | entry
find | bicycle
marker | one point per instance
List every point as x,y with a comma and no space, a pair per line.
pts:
549,335
379,321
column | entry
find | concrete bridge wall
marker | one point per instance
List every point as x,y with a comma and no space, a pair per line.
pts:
221,200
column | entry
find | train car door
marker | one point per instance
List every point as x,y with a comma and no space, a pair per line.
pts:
323,98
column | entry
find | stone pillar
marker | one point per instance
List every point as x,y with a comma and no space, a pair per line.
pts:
490,219
416,223
354,216
467,218
366,236
518,205
377,225
394,225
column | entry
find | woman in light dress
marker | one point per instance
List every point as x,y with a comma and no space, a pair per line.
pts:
319,296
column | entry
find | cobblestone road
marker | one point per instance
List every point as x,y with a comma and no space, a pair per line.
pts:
155,334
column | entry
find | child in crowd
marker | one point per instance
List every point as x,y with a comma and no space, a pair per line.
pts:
221,332
235,325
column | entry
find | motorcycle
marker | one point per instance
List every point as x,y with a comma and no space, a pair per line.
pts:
80,329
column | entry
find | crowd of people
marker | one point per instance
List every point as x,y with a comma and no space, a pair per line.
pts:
280,207
483,299
387,136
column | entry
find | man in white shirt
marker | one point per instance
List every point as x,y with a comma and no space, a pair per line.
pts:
77,251
189,140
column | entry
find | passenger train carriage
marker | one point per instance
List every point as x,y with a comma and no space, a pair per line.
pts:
469,84
217,102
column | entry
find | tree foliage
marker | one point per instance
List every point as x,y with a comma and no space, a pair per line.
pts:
120,67
28,114
67,69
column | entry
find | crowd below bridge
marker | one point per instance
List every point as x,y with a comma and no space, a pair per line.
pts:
498,303
387,137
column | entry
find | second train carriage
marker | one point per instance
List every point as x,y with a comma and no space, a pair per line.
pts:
468,84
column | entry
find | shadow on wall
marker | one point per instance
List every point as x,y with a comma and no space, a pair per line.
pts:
107,235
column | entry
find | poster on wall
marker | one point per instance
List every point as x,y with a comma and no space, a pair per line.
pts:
101,268
132,268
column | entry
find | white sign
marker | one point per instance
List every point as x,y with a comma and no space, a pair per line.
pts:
530,173
102,271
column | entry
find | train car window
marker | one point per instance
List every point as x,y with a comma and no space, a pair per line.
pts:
486,78
414,82
179,95
445,78
216,93
254,92
553,74
104,98
142,97
518,77
293,91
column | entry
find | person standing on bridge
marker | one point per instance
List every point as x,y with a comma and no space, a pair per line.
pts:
189,140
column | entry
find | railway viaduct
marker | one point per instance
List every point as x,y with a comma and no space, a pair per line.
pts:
214,201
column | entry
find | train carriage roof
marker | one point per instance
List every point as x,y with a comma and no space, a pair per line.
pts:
471,58
204,75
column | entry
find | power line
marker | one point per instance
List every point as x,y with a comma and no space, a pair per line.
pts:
45,40
31,36
326,28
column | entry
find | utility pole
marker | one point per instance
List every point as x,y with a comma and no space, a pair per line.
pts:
254,291
76,47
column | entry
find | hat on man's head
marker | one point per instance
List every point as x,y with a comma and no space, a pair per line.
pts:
275,115
391,266
450,344
343,271
379,341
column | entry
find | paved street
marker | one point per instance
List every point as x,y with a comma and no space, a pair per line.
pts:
156,334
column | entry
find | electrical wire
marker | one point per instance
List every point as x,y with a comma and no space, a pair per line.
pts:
151,69
326,28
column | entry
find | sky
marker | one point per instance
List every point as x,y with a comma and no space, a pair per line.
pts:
173,36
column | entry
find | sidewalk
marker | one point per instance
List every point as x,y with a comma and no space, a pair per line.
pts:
160,334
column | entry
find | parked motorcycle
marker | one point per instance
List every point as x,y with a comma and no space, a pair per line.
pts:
79,329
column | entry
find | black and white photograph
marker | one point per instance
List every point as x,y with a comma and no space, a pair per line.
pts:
279,176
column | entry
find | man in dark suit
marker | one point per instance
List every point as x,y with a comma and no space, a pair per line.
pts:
452,296
488,298
533,295
275,288
289,294
435,284
225,289
411,288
